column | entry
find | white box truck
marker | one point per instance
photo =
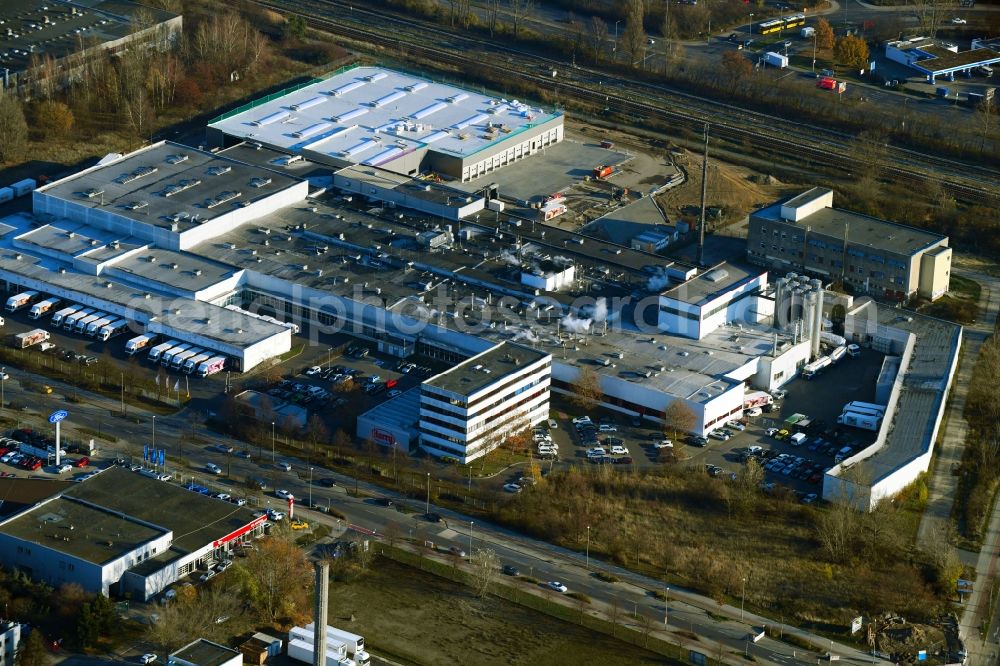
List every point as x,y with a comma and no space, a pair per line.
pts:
24,340
109,331
301,650
354,643
212,366
168,355
857,405
96,325
139,342
156,352
178,361
58,317
18,301
83,322
42,308
775,60
193,363
855,420
69,323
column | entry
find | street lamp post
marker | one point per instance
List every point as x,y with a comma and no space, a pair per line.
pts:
614,49
743,597
588,547
471,524
272,442
154,432
427,504
3,378
666,605
310,487
751,25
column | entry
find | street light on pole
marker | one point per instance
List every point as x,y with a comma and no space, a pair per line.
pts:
154,432
272,441
614,49
588,547
751,25
666,605
3,378
471,524
427,504
310,486
743,597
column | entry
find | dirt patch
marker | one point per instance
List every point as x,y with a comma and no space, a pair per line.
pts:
420,618
736,189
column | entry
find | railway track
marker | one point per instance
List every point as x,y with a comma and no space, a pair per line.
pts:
674,108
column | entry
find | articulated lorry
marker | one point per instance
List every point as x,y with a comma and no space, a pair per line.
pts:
810,370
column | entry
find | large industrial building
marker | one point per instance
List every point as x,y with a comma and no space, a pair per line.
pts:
870,256
118,532
51,38
377,117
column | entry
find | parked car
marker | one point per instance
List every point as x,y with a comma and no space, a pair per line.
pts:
512,488
607,427
553,425
79,462
283,494
663,444
510,570
558,586
147,658
622,460
283,466
699,440
619,450
752,412
212,468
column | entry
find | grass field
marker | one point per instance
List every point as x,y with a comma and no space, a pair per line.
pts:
416,617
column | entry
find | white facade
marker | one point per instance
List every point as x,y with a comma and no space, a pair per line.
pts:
549,280
680,316
467,426
10,639
533,141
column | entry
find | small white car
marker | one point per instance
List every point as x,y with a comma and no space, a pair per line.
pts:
581,419
274,515
283,494
770,432
752,412
4,376
595,452
736,425
222,496
285,467
313,371
62,469
779,394
512,488
553,425
663,444
619,450
958,21
147,658
212,468
607,427
558,587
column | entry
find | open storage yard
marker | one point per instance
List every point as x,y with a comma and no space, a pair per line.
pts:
420,618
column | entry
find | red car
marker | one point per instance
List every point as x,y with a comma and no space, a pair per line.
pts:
81,462
34,464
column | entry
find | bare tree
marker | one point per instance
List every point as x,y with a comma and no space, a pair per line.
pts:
986,110
519,11
587,390
492,15
634,37
678,417
485,568
598,37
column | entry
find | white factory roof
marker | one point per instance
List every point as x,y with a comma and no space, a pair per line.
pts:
372,115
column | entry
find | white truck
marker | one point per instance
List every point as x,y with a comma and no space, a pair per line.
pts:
41,308
178,360
810,370
857,405
69,323
168,355
757,399
25,340
302,650
83,322
117,327
194,362
338,642
139,342
96,325
18,301
156,352
838,353
212,366
57,318
775,60
856,420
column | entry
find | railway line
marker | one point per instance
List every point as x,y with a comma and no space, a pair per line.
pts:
674,108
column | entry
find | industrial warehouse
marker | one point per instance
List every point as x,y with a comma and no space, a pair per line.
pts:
117,533
232,250
382,118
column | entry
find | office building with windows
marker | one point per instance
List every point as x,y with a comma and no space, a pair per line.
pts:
469,410
870,256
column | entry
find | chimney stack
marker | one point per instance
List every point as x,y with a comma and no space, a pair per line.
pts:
319,613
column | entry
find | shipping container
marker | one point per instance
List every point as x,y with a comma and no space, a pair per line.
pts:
23,187
775,60
6,194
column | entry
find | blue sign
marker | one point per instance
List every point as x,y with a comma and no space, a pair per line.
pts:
57,416
163,456
145,452
922,655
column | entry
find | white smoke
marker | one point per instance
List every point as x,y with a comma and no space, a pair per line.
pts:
600,310
527,335
575,324
509,257
658,282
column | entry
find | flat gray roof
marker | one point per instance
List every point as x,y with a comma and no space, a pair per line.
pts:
94,534
861,229
205,653
169,184
711,283
53,28
372,115
426,190
195,520
182,270
403,411
487,368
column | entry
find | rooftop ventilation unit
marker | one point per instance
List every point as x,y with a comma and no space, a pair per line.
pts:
93,192
177,159
259,181
197,271
221,198
219,170
136,175
182,185
136,205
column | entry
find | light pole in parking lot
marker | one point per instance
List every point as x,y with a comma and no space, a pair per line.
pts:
310,487
588,547
666,605
272,442
471,524
154,432
427,504
3,379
